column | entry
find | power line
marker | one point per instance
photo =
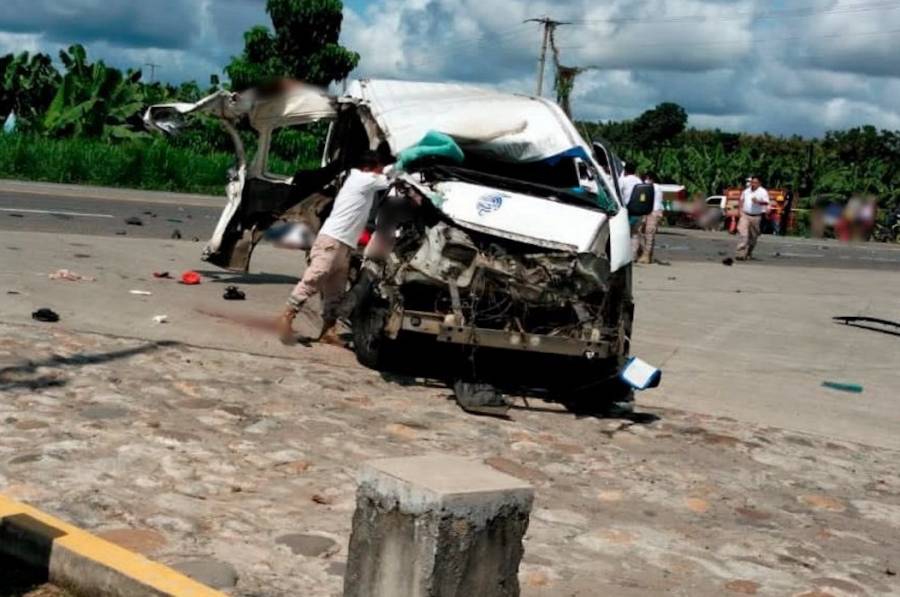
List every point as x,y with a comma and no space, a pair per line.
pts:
769,14
731,42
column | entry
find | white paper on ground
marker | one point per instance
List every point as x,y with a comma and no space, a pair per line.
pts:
640,375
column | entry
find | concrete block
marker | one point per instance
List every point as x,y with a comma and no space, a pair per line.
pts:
436,526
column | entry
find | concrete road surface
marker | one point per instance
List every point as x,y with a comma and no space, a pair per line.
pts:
70,209
205,444
752,342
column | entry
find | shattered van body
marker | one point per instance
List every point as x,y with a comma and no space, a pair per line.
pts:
514,264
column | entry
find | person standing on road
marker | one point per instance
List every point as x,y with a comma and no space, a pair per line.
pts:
627,182
646,236
329,258
754,203
784,225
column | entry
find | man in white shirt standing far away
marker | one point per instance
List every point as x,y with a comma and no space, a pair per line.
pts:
329,258
754,203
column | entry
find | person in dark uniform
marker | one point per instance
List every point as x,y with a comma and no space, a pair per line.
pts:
785,222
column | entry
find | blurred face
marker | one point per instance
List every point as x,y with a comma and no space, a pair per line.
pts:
754,183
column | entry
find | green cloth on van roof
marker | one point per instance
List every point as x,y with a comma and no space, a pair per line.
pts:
432,145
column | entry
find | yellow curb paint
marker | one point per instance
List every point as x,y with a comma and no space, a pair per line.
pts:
112,556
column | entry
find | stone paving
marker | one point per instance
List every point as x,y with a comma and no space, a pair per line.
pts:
239,470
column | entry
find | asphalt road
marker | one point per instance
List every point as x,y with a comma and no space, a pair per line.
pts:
675,244
103,212
104,217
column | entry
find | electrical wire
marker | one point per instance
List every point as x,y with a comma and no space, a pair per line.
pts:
756,15
679,45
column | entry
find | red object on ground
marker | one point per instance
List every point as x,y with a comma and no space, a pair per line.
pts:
190,278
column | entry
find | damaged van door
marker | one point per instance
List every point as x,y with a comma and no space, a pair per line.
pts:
256,197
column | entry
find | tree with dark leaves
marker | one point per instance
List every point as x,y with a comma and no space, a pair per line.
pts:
304,46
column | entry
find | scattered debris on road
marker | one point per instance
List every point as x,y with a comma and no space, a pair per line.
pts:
190,278
162,275
728,261
70,276
176,234
874,324
233,293
140,292
161,319
481,399
45,315
134,221
850,388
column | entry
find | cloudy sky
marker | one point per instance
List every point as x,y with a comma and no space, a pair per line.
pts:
783,66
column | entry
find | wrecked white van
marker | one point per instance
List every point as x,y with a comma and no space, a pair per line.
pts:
510,263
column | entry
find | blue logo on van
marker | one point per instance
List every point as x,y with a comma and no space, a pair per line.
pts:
489,203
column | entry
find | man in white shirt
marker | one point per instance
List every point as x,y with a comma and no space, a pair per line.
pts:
329,258
627,182
754,203
645,240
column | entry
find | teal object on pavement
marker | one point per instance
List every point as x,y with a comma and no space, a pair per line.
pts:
432,145
851,388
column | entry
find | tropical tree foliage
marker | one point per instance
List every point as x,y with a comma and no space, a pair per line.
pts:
93,100
98,104
27,84
304,46
856,161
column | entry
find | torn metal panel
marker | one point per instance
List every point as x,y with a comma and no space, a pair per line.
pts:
299,104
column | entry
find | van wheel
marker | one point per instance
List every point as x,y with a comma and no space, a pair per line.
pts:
368,334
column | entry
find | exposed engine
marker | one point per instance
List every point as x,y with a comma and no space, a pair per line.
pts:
489,282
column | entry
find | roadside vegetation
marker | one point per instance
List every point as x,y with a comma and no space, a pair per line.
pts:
80,122
861,160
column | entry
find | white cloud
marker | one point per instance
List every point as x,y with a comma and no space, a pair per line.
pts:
19,42
734,64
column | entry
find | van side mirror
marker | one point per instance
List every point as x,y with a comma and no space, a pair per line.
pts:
641,201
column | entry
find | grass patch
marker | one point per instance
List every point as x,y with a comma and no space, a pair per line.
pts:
153,163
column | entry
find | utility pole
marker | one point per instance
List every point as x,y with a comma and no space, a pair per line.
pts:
153,68
549,26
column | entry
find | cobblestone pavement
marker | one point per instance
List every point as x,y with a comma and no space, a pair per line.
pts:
239,470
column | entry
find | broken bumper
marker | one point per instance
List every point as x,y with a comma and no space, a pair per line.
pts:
433,324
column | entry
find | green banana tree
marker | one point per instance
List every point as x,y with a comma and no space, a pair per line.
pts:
94,100
27,85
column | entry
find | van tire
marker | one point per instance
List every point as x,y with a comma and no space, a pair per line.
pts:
368,335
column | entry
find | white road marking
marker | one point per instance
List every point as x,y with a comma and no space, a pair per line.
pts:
74,214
